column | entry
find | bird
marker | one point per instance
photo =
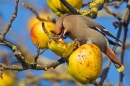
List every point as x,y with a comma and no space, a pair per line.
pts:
59,9
78,26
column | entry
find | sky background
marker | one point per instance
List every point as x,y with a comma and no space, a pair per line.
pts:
19,27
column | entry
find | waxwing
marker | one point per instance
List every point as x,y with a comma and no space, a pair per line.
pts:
78,26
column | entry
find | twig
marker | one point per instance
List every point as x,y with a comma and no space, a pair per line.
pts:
9,44
35,12
118,36
70,7
111,12
85,4
49,36
44,29
39,18
38,52
31,66
5,31
125,21
89,13
118,3
105,71
17,53
116,24
25,64
50,76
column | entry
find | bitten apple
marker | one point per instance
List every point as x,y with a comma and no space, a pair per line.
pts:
61,48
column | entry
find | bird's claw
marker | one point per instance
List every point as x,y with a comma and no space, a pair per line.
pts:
77,42
89,41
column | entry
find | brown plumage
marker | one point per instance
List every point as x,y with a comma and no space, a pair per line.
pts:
78,26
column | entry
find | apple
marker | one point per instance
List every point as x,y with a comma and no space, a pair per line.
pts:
38,35
7,79
61,48
33,20
85,63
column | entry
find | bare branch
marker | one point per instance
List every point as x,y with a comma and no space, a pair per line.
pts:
17,52
85,4
46,32
71,8
38,53
5,31
31,66
35,12
125,21
110,12
105,73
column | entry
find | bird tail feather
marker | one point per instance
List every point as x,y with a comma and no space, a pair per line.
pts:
114,59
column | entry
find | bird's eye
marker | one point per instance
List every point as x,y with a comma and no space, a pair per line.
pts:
63,27
60,30
67,33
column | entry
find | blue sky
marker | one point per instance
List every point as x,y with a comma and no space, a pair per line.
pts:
19,27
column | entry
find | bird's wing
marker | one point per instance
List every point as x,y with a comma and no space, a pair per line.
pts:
94,25
104,31
113,43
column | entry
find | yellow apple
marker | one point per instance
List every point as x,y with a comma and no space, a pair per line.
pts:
37,34
59,9
33,20
61,48
85,63
7,80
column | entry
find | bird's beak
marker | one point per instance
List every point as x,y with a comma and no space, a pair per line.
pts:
63,34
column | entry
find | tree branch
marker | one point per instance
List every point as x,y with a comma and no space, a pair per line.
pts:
70,7
35,12
5,31
106,69
111,12
31,66
125,21
17,53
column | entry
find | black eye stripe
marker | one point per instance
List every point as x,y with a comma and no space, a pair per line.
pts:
63,27
67,33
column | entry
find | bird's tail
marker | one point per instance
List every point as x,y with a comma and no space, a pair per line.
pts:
114,59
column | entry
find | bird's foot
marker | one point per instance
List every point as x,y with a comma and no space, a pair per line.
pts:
89,41
77,42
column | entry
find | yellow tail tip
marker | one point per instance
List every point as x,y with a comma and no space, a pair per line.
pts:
121,69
